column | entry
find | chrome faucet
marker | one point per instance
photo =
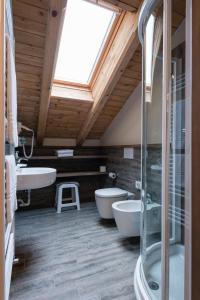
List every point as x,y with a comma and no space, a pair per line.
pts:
19,164
21,159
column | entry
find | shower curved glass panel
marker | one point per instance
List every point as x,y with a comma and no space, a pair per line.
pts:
160,269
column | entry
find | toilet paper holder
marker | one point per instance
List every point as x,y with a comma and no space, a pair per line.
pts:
112,175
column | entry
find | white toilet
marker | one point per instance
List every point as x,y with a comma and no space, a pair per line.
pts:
106,197
127,217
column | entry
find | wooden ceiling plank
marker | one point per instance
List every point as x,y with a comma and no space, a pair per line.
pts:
133,74
22,104
69,113
29,26
23,68
67,107
134,3
28,77
25,98
116,98
125,87
69,102
122,50
124,94
27,108
28,92
54,26
70,124
29,38
37,3
129,80
62,118
22,48
29,84
61,135
31,12
28,59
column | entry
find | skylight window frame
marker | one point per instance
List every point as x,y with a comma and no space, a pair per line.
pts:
100,57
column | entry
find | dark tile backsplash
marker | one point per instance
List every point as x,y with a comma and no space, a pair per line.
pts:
45,197
128,170
153,178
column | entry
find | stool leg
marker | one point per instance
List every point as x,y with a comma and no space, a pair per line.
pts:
56,198
59,200
77,198
73,194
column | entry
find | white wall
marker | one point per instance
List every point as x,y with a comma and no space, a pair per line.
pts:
125,129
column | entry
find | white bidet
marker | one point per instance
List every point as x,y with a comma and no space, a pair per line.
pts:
127,217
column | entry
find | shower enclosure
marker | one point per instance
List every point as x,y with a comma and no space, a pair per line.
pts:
161,271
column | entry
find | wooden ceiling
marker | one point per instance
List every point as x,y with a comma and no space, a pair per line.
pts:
65,117
30,20
127,83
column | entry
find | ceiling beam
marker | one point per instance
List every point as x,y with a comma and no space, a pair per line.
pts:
54,27
120,53
129,5
106,4
71,93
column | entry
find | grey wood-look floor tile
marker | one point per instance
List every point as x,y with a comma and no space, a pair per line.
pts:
72,256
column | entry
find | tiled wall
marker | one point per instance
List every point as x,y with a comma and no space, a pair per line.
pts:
128,170
45,197
153,177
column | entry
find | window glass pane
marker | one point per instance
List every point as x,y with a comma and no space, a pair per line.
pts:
85,29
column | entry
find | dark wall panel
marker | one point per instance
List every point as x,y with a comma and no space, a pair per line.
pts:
128,171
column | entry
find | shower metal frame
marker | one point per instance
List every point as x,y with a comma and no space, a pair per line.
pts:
2,149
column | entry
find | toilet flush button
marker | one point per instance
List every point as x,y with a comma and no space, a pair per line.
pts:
128,153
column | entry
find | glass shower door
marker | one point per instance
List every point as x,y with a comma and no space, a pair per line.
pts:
152,151
163,151
176,213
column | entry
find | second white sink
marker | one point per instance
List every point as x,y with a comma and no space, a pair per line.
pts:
35,178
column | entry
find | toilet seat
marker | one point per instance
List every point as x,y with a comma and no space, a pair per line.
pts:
110,193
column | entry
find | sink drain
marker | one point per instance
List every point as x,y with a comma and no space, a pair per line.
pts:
153,285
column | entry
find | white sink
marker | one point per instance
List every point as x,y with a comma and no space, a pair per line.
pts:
35,178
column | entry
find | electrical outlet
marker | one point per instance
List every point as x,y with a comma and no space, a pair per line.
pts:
138,185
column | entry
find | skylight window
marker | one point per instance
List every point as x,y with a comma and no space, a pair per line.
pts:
85,31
